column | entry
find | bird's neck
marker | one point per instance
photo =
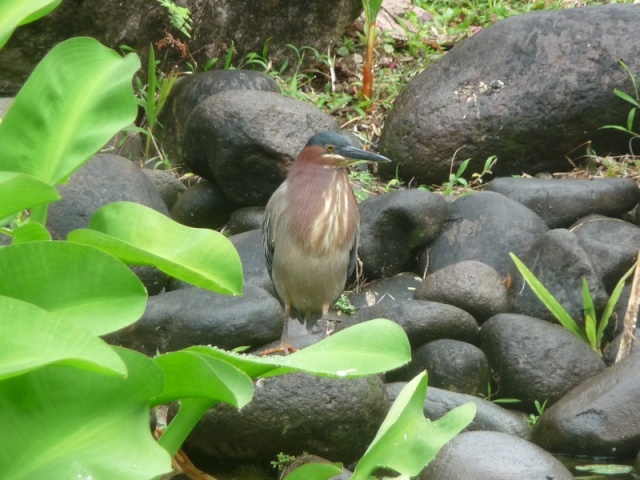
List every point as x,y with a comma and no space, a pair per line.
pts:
324,212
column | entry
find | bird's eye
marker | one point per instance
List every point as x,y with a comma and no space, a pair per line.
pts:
330,148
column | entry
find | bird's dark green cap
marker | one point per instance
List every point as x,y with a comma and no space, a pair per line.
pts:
343,146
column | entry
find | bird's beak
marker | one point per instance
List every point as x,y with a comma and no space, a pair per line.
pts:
353,154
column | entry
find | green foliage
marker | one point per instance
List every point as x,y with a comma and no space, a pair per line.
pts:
138,235
634,101
92,94
180,17
457,181
344,305
533,417
608,470
490,396
15,13
61,422
282,461
406,441
593,331
151,98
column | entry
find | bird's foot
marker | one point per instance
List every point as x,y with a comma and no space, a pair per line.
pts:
284,348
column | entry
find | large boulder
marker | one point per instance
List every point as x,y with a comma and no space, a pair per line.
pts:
190,91
529,89
395,226
493,456
599,417
534,359
561,202
244,141
218,26
295,413
485,226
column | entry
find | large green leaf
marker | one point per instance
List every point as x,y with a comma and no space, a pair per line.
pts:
190,374
60,422
76,99
366,348
94,290
199,382
406,441
30,232
20,192
14,13
139,235
31,337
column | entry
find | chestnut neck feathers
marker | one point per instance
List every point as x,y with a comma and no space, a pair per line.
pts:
322,194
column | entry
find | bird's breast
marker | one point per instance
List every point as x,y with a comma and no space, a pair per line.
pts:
329,220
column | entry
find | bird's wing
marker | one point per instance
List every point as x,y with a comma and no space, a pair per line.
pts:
272,214
267,237
353,253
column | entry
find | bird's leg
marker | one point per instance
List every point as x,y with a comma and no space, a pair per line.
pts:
329,324
285,346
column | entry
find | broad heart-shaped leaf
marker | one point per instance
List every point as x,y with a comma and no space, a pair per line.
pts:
75,100
20,192
14,13
31,337
60,422
406,442
92,289
139,235
363,349
199,382
367,348
30,232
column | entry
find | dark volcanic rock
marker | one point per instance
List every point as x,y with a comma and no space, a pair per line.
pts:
169,187
191,90
493,456
395,226
244,141
202,206
560,263
529,89
295,413
612,246
534,359
254,265
193,316
470,285
103,179
484,226
561,202
452,365
217,23
423,321
599,417
245,219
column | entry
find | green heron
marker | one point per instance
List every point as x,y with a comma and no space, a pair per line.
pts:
310,228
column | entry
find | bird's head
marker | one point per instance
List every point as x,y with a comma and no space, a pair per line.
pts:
335,150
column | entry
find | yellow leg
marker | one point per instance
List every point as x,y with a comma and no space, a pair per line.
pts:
285,346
